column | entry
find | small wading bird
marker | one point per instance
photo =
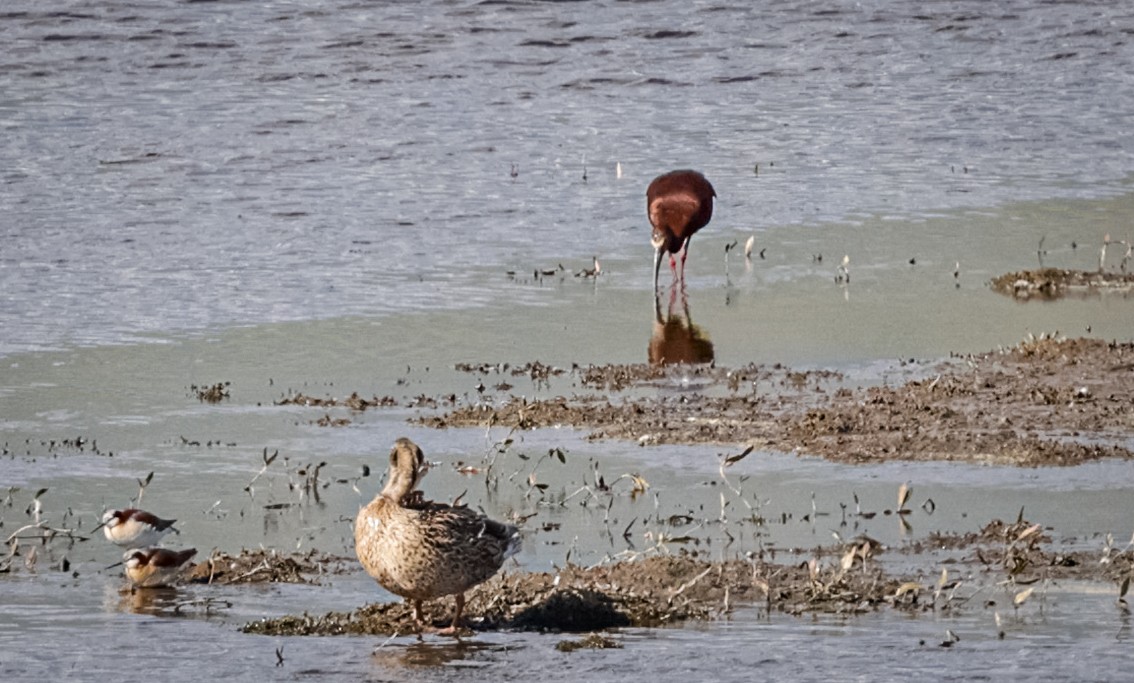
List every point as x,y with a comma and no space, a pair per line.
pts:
422,550
679,203
156,567
132,528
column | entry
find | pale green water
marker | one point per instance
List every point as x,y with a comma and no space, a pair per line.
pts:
318,199
135,401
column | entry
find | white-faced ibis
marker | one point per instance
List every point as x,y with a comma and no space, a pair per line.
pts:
679,203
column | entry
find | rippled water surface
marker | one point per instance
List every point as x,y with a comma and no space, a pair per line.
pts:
181,165
350,196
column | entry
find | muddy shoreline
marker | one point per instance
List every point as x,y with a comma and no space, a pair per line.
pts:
1000,567
1046,401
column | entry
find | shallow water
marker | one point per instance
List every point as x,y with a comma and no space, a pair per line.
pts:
319,199
179,166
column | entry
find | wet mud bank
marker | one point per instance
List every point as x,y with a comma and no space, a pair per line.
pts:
1056,283
655,591
1003,565
1046,401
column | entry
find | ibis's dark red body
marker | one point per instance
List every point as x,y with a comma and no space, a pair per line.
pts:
679,203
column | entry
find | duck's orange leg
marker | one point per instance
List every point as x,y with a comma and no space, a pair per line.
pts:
455,627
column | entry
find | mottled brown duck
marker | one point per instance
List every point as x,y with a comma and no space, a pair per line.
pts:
423,550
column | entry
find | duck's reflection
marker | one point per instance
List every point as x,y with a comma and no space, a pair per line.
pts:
153,601
431,653
675,338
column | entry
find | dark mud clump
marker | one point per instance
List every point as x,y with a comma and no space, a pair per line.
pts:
1055,283
651,592
268,566
1046,401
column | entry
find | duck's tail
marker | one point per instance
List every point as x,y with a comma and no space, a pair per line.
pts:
515,542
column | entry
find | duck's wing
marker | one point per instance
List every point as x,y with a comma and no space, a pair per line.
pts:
463,533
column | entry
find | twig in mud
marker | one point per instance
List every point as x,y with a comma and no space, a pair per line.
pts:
574,544
639,485
581,489
688,584
268,459
728,461
36,506
728,248
533,484
49,533
626,532
258,568
903,497
207,603
498,448
1020,598
842,273
310,477
386,642
142,484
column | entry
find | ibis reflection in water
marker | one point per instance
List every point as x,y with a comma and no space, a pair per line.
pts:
675,339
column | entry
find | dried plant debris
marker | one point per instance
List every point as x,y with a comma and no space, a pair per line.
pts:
1023,552
211,394
53,448
591,641
353,402
652,592
268,566
1055,283
996,407
534,370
